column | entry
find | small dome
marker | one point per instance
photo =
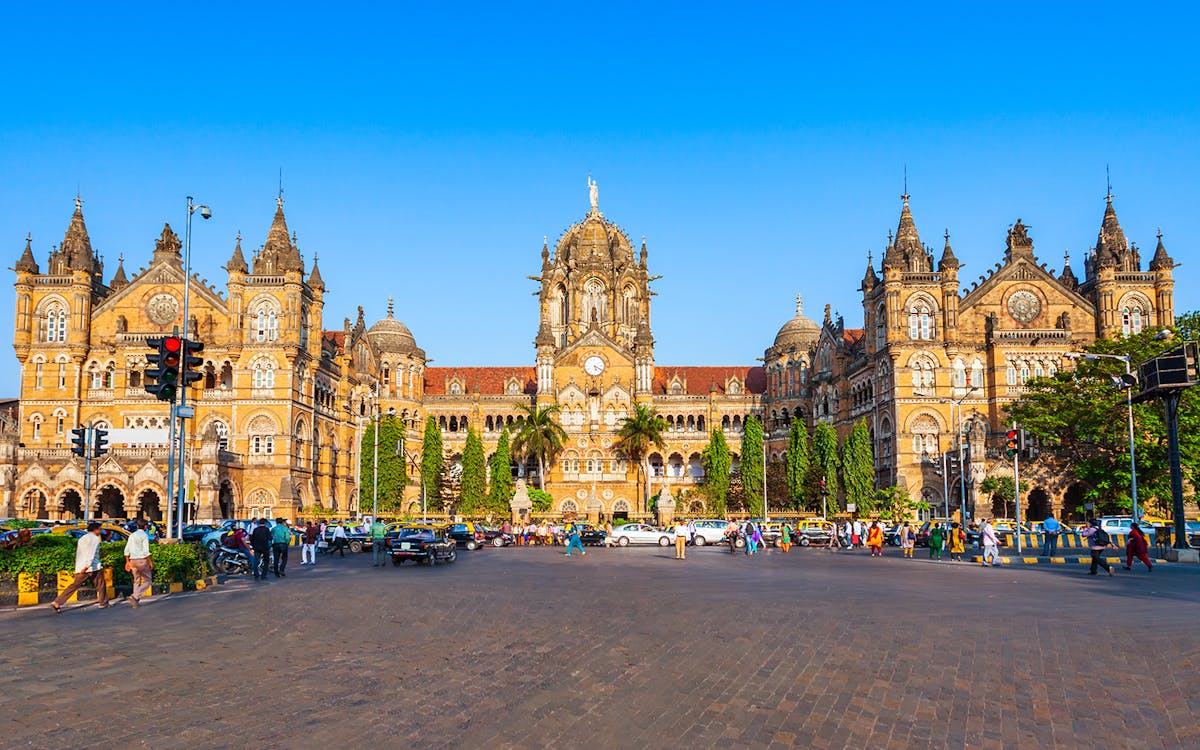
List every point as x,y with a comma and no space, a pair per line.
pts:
799,332
390,335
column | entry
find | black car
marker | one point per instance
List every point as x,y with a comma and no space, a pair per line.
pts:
197,531
591,536
496,537
423,544
467,535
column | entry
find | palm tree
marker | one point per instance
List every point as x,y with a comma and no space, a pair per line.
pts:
637,434
539,436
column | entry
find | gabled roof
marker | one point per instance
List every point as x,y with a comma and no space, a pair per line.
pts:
489,381
702,380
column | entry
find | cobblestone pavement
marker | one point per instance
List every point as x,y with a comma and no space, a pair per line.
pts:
622,648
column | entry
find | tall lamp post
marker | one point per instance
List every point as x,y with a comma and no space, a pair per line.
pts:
180,487
962,466
1125,383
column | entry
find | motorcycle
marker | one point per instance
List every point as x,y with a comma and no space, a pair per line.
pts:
229,561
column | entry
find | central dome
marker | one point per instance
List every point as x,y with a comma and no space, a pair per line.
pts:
390,335
799,332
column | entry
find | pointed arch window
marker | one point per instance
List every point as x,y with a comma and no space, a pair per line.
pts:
920,320
264,374
56,324
266,323
594,306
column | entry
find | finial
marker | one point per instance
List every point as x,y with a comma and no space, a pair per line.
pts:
1066,259
890,238
391,307
120,258
293,237
280,198
239,237
1159,235
1108,183
799,305
947,235
870,258
78,201
29,236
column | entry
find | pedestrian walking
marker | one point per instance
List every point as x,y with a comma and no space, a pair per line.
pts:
608,533
87,565
1137,546
308,551
281,537
681,539
958,542
1051,528
935,541
991,544
875,539
339,539
748,538
907,539
138,563
758,537
378,543
573,540
856,530
731,535
691,529
1099,541
260,542
785,537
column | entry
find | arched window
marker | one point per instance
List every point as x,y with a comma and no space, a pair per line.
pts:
56,324
923,370
316,448
1010,375
222,434
264,373
960,374
629,300
266,322
594,307
36,420
920,320
560,306
925,436
37,373
109,375
880,326
977,374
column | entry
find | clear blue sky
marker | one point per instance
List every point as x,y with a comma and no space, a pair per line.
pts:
760,148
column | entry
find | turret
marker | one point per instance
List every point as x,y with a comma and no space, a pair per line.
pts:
1163,266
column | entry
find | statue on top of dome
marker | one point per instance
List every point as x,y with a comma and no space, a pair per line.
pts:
593,193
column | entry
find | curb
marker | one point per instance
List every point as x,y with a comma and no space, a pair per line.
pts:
32,589
1052,560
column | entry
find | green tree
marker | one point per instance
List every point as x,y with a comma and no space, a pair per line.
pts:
895,504
433,464
474,475
778,497
1079,422
858,468
797,462
716,460
540,436
825,458
543,502
752,465
500,487
1002,490
392,466
636,435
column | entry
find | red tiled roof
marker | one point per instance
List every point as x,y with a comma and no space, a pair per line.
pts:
489,381
852,335
700,380
338,338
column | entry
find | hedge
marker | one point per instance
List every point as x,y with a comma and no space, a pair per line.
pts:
50,553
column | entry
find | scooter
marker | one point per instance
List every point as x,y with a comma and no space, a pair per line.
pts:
230,561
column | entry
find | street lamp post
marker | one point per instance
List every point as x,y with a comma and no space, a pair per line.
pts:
962,466
1126,384
180,488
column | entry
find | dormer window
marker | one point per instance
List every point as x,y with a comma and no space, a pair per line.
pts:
455,388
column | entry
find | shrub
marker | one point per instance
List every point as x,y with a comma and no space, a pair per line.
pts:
48,554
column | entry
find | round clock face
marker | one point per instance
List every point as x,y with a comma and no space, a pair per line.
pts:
1024,306
593,365
162,309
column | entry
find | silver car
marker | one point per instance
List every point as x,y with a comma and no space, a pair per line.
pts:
712,531
640,533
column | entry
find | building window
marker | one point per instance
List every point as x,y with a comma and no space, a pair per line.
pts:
977,374
56,325
37,428
920,321
37,375
222,435
62,375
60,425
1011,375
266,324
262,445
264,374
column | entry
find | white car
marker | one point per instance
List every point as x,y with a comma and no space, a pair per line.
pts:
712,531
1120,525
640,533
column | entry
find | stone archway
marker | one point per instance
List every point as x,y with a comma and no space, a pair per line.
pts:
112,502
225,503
33,505
150,506
72,505
1072,504
1038,506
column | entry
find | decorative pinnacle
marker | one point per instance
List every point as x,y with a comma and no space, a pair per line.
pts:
947,234
391,307
1066,259
78,201
870,258
1159,235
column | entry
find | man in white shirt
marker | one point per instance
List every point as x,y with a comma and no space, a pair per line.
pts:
681,538
991,544
87,565
137,562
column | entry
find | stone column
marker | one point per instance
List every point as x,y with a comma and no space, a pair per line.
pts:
665,507
208,506
520,505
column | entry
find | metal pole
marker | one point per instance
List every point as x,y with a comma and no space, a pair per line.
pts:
946,486
1132,456
170,473
375,471
87,473
1017,492
766,514
962,463
424,512
187,281
1171,402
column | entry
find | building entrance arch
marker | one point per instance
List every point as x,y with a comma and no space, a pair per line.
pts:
150,506
112,502
33,505
225,499
72,505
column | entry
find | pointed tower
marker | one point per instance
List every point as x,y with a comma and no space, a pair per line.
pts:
1111,245
315,282
237,270
948,269
1162,266
76,246
26,268
908,242
1067,278
27,263
279,254
119,280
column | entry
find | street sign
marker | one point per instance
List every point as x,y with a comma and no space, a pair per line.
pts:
185,412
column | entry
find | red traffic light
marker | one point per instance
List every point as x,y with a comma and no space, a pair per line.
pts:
1011,435
172,343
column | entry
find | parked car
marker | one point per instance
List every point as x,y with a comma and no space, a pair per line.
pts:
197,531
466,534
640,533
426,545
495,537
1122,524
108,532
591,535
812,532
710,531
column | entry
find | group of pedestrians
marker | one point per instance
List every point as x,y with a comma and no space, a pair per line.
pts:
88,567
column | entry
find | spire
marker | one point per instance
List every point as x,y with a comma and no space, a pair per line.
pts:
76,246
27,264
642,257
1160,262
1111,240
869,278
237,261
828,315
314,279
279,254
119,281
166,247
1067,277
892,258
545,253
948,260
544,336
908,242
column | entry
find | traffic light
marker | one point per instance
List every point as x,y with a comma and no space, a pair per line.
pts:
163,381
79,441
190,370
1012,443
99,442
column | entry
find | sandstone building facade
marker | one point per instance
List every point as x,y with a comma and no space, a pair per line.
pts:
284,401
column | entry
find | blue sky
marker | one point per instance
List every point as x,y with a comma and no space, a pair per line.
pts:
760,148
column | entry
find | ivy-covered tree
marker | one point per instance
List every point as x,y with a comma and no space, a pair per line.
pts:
825,458
858,468
433,464
1080,423
500,485
716,460
392,466
778,497
637,434
752,465
474,475
797,463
